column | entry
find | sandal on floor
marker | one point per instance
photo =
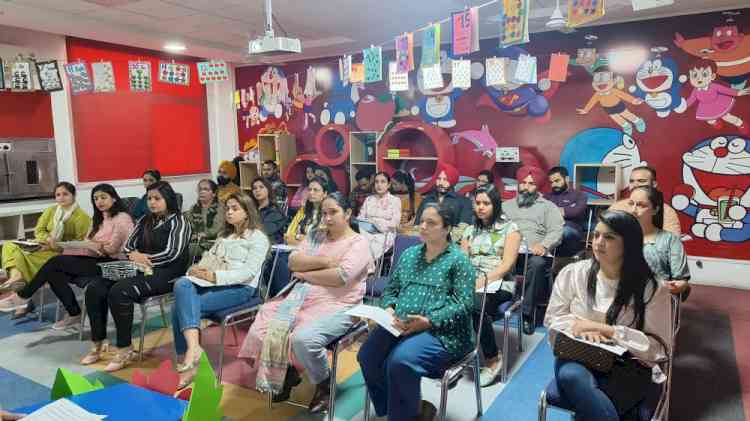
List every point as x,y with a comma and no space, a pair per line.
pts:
94,355
121,360
30,307
181,368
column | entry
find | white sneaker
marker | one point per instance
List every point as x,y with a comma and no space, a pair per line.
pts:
12,303
66,322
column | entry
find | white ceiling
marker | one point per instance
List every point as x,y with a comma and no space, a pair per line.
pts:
221,28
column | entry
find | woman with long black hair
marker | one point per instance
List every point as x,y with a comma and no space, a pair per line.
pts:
159,247
307,217
615,297
402,186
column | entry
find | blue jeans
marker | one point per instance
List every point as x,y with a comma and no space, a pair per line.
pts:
572,241
580,387
192,302
393,369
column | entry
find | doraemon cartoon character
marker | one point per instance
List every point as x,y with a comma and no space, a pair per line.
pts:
436,105
273,93
657,84
341,105
601,145
716,189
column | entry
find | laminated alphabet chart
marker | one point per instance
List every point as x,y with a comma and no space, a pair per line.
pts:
514,22
461,73
140,76
212,71
79,77
20,76
581,12
104,76
174,73
49,76
398,81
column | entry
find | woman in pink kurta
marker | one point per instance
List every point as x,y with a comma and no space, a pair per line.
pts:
715,100
295,327
383,210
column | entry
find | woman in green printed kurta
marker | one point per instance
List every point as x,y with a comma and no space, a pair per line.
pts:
431,295
64,221
206,219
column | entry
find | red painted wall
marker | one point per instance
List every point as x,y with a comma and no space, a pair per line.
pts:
561,134
119,135
25,114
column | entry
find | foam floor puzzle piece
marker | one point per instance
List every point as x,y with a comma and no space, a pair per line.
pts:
68,383
206,396
163,380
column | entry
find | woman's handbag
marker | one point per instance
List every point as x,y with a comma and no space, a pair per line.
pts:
591,357
212,262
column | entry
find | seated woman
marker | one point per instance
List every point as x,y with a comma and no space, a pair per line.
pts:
492,245
296,326
112,226
402,186
662,249
383,210
610,297
271,217
141,206
206,219
300,196
431,294
308,217
232,266
159,247
325,173
63,221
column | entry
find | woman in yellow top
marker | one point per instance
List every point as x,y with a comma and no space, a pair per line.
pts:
64,221
308,216
402,186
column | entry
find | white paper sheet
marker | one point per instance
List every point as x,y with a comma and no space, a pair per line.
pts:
492,287
77,245
200,281
377,315
62,410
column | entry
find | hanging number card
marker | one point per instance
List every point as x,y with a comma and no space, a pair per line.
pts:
462,26
79,77
104,76
373,62
174,73
581,12
398,81
20,76
514,22
140,76
49,76
432,77
212,71
495,71
461,74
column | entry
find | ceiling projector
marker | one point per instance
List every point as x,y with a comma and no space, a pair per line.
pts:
269,44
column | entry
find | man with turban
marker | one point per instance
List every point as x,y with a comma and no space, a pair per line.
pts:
225,180
443,192
541,226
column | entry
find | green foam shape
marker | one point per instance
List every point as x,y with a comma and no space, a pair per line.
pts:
206,396
68,383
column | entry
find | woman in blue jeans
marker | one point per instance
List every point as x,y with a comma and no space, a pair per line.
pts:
231,267
612,297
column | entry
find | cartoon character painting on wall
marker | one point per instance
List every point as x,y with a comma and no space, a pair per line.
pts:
716,189
601,145
273,93
657,84
436,105
608,93
341,105
715,100
482,140
302,99
727,47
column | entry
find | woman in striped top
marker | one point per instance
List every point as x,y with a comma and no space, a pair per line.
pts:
159,247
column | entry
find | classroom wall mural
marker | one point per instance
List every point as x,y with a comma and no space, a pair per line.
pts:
673,93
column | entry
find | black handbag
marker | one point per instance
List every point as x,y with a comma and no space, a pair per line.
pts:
590,356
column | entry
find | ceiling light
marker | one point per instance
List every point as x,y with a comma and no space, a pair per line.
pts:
175,47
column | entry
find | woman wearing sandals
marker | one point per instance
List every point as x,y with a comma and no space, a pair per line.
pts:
112,226
231,267
64,221
159,247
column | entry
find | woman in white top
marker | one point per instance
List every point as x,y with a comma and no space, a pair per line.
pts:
383,210
610,297
232,266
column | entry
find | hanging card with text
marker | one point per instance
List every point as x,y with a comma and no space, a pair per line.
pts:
496,71
431,45
581,12
514,22
104,76
463,29
358,73
558,67
432,77
49,76
79,77
373,61
461,75
212,71
398,81
140,76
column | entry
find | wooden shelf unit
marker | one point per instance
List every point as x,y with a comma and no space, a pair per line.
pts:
20,223
359,155
413,158
280,148
608,174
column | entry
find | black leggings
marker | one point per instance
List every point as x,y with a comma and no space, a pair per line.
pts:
60,272
118,297
491,312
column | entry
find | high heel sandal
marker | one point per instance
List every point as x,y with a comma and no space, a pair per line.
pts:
181,368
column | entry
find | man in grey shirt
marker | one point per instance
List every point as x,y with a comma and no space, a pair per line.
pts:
541,226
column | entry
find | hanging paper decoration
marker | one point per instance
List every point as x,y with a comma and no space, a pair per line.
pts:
431,45
212,71
104,76
526,69
496,71
514,22
20,76
49,76
79,77
463,29
140,76
558,67
404,53
475,29
358,73
432,77
2,74
373,61
581,12
174,73
461,74
398,81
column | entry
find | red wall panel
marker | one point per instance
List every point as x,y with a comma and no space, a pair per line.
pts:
120,134
25,114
